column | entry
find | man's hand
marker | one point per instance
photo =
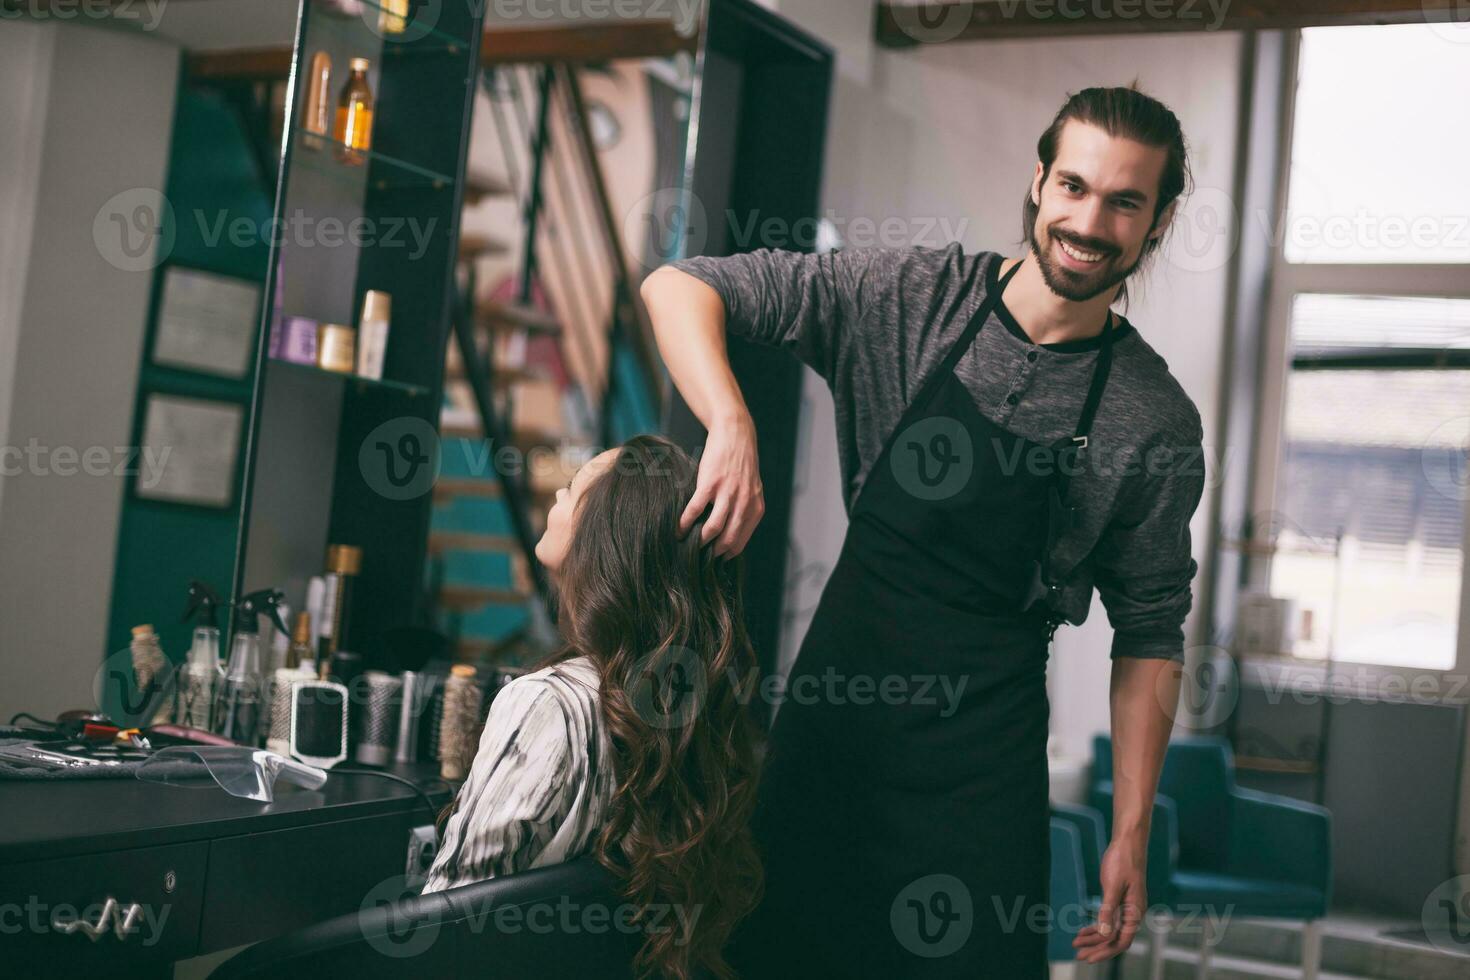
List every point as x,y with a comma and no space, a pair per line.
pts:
729,477
1123,903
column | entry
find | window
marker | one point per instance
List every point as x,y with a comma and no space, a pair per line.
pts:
1373,450
1379,147
1366,439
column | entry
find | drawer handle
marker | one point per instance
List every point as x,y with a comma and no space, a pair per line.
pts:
122,918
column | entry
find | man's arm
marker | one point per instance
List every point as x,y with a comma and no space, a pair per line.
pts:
1144,573
688,319
798,302
1140,689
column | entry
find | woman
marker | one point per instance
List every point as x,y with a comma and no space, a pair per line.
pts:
630,741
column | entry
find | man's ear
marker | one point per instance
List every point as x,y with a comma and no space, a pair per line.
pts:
1165,217
1036,184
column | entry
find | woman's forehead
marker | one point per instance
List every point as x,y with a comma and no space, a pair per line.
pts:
594,466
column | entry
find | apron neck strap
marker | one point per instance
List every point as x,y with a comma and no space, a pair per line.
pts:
1078,443
1099,381
976,322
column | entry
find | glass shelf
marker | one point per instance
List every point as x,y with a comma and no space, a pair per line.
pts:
401,173
416,38
403,386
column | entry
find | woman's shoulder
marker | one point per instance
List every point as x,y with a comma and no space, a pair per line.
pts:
570,686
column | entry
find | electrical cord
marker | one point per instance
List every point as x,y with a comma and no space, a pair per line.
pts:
423,794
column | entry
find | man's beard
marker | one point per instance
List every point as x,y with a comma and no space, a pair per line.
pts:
1072,284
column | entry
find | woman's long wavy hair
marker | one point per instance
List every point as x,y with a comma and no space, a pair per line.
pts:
662,619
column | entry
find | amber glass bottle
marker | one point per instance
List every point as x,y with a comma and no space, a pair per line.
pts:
354,130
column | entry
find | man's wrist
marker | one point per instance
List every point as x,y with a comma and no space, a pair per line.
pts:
734,417
1131,831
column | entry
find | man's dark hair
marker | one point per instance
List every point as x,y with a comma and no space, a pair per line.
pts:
1127,113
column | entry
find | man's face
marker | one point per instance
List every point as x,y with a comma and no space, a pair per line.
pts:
1095,211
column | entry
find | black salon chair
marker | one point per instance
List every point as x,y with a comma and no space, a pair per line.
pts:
562,921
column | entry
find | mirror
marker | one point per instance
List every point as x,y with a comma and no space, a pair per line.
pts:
133,190
176,226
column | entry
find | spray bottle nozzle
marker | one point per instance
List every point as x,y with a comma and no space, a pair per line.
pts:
204,602
266,601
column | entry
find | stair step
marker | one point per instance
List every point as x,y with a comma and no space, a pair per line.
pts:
442,541
470,598
448,488
503,376
499,315
462,426
476,246
478,186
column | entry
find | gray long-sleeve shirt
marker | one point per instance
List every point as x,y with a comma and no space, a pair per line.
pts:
876,322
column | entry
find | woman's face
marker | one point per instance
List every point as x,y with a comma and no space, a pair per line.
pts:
561,519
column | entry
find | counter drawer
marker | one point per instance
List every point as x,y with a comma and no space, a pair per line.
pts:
119,910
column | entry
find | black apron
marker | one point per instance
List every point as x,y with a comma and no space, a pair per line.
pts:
903,806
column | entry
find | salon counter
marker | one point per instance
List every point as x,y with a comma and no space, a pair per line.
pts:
208,871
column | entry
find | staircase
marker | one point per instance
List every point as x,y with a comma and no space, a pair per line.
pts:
545,367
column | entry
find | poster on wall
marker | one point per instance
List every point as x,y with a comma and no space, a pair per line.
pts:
206,322
192,444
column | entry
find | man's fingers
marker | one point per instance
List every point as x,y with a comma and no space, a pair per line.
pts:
1131,918
715,523
753,515
1107,917
735,536
694,508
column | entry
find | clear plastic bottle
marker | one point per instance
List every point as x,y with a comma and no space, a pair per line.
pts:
200,679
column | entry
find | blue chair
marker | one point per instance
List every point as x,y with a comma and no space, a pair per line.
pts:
1077,843
1224,850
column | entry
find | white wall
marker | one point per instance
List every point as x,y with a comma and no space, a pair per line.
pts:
98,122
25,56
949,132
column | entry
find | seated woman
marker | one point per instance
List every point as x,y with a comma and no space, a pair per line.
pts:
631,741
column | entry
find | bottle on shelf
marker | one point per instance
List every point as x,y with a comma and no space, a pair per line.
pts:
336,348
316,114
354,132
393,16
372,334
344,561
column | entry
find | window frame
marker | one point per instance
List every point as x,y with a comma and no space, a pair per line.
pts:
1287,281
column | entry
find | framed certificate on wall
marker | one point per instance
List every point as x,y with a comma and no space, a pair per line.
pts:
206,322
189,450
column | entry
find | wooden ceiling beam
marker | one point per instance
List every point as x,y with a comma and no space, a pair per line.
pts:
575,45
903,25
583,44
247,64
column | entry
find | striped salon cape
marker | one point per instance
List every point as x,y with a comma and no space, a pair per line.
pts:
541,783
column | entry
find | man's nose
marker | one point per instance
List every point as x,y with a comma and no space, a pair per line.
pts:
1088,220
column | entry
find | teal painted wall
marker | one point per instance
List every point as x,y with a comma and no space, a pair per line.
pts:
212,176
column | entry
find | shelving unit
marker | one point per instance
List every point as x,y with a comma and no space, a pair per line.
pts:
387,221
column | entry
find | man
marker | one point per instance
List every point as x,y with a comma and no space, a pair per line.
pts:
1007,442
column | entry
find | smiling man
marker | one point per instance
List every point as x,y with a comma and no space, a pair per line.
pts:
1007,443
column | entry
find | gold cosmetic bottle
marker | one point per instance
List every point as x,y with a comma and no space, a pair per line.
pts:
393,16
354,131
336,348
